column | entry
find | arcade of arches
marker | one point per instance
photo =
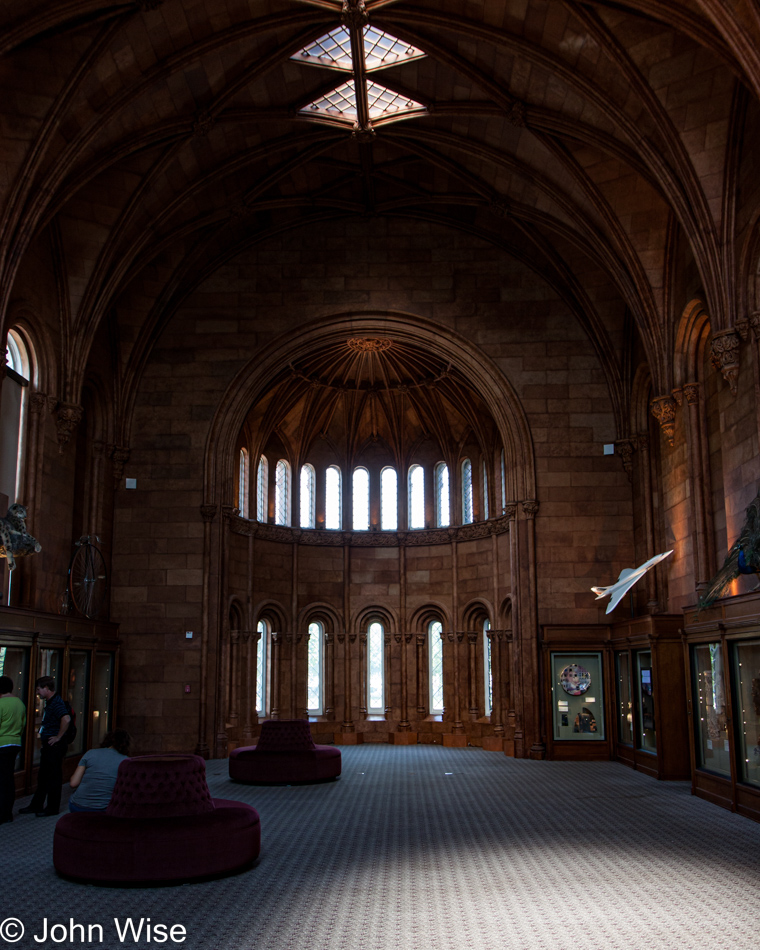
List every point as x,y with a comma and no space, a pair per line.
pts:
367,336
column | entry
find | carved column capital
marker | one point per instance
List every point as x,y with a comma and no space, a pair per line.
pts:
530,509
664,410
208,513
408,637
119,455
510,510
724,356
37,403
754,324
354,13
625,449
691,393
68,415
396,637
472,636
677,394
421,639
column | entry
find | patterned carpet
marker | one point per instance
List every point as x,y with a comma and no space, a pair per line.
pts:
433,848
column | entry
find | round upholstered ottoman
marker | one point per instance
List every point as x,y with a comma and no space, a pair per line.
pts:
162,825
285,754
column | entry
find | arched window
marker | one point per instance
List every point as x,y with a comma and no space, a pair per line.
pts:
262,489
442,504
388,499
360,498
416,497
486,507
376,669
261,668
435,661
15,388
308,496
243,484
467,492
282,493
487,667
333,507
314,670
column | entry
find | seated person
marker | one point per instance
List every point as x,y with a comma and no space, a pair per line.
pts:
95,776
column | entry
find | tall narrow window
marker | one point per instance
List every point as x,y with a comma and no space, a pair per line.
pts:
375,668
503,485
487,667
262,489
14,401
314,670
388,499
486,506
467,492
360,499
308,498
243,484
261,668
282,493
442,505
333,507
416,497
435,659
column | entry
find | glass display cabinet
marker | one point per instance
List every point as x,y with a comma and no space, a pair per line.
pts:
81,655
577,669
650,703
723,654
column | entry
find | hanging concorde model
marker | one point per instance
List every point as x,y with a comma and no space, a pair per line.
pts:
628,577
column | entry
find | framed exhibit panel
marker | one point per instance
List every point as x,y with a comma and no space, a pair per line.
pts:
578,697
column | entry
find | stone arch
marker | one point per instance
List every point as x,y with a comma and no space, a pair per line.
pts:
257,375
477,611
692,337
423,616
320,613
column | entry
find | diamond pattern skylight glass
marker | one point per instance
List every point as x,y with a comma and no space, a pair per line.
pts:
341,103
333,51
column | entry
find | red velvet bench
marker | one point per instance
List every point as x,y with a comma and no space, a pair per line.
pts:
161,825
285,753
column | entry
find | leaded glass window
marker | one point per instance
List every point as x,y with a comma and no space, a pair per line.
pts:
503,485
388,499
416,497
487,666
442,504
262,489
261,659
314,670
486,509
333,507
282,493
360,497
243,484
467,516
307,496
435,658
375,668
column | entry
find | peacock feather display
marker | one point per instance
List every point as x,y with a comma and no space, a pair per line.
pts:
743,558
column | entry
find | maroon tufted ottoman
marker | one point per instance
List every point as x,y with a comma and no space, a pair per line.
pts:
161,825
285,753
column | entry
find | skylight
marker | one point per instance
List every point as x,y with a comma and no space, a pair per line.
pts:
381,50
341,103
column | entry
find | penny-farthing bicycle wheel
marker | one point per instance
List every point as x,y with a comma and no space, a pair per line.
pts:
88,580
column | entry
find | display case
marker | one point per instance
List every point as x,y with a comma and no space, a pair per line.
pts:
650,702
576,672
722,648
81,655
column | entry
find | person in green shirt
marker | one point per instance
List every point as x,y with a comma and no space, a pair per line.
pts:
12,722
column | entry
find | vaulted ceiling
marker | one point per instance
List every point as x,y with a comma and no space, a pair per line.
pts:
598,142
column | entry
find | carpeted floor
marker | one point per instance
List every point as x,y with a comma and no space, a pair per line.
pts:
433,848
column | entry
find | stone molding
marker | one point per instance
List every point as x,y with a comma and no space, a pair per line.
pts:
369,539
625,449
37,403
68,415
691,393
724,356
354,13
664,410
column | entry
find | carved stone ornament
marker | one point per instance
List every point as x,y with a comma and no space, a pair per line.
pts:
354,13
147,5
363,134
754,324
691,393
208,513
119,458
368,345
516,114
530,509
724,355
664,410
203,124
625,449
67,417
37,403
677,394
500,207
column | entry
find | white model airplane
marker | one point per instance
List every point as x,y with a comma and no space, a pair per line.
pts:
628,577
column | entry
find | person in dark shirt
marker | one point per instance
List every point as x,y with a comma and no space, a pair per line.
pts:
55,722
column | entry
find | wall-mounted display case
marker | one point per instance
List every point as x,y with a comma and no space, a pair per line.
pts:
82,656
651,727
722,647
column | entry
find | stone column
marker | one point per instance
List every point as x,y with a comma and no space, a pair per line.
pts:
234,675
702,560
497,715
646,494
276,638
472,647
458,728
420,658
329,674
387,672
363,674
208,513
